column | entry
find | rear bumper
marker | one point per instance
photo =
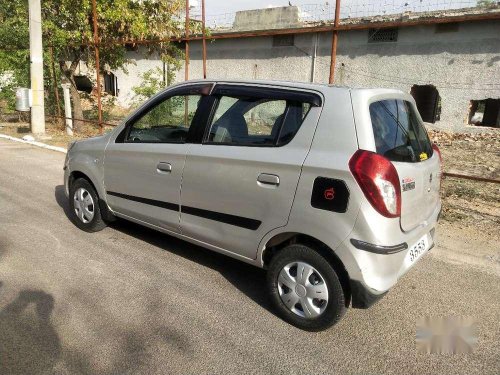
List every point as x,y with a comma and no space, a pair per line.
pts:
378,249
362,297
382,253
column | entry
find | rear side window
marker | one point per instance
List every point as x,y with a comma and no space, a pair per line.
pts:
399,135
253,121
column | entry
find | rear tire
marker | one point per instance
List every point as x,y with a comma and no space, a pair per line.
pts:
84,206
305,289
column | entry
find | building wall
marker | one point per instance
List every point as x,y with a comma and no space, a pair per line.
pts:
130,77
463,65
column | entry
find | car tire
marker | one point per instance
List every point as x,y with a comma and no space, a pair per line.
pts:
84,206
291,296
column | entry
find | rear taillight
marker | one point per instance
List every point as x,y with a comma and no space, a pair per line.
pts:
436,150
379,181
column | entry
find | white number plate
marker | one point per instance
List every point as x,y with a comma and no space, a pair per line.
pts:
417,250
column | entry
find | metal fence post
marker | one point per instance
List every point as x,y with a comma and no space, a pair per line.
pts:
204,40
333,61
97,67
186,69
54,82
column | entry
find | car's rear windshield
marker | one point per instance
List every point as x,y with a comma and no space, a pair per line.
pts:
399,135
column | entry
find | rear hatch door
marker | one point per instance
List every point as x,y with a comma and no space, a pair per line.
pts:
400,136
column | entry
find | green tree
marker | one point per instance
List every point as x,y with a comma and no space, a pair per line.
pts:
485,3
14,49
152,81
68,27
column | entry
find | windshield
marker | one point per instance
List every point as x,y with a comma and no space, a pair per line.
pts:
399,135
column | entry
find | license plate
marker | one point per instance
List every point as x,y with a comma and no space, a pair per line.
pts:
417,250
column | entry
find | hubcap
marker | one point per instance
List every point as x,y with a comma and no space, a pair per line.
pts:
84,205
303,290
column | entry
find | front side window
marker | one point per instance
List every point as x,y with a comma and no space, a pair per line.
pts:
167,122
399,135
251,121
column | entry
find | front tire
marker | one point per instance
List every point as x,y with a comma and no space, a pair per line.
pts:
305,289
84,206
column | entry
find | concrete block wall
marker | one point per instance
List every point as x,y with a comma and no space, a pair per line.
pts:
265,19
463,65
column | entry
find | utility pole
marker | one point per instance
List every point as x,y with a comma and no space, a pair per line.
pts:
36,68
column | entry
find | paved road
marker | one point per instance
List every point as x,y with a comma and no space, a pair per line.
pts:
130,300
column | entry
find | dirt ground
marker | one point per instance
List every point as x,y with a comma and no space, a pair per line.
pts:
466,203
55,134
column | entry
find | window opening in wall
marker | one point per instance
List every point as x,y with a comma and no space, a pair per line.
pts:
83,83
283,40
485,112
428,102
110,84
132,47
383,35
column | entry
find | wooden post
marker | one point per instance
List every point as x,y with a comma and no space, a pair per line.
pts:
97,67
333,60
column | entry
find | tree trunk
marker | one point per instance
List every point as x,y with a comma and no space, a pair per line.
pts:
69,73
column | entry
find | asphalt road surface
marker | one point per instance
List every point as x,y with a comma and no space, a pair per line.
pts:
129,300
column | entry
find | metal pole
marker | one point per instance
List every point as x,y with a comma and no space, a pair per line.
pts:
164,75
97,67
333,61
469,177
204,40
36,68
186,69
54,81
314,57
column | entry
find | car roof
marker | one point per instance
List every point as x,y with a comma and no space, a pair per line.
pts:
299,85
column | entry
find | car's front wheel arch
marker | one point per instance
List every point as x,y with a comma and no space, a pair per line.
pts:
106,213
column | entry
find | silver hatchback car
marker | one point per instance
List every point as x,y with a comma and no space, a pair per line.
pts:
335,191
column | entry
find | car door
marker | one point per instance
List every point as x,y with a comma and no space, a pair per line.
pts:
240,182
143,165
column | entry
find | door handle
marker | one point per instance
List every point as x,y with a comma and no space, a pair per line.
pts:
164,167
268,179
